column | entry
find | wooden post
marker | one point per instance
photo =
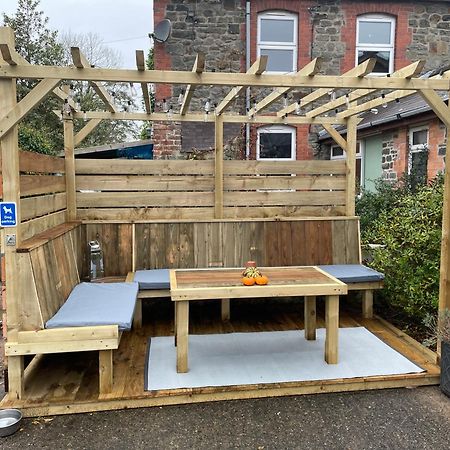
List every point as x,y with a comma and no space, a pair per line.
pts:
105,373
225,309
310,318
218,170
351,165
11,193
15,376
367,304
182,335
332,328
69,158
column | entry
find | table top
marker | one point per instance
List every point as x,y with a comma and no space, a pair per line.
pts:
202,284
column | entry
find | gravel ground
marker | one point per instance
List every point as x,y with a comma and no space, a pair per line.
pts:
387,419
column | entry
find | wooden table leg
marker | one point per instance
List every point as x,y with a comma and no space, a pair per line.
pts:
182,335
105,358
175,323
332,328
225,309
367,304
310,318
16,377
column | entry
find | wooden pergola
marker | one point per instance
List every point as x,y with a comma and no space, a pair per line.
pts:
359,92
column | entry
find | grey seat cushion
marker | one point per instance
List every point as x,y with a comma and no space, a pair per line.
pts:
153,279
353,273
91,304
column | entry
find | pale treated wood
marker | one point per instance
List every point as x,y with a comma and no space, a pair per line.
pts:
105,360
41,184
182,335
218,169
16,382
336,136
69,158
98,332
310,318
310,167
80,62
225,311
38,163
39,225
140,63
362,69
257,68
27,104
332,329
137,317
199,66
351,165
85,131
367,304
440,108
33,207
221,78
11,193
8,54
310,70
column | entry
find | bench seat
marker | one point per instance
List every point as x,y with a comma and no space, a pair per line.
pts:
152,279
92,304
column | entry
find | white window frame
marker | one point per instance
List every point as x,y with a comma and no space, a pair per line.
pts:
277,129
380,47
273,45
418,147
359,155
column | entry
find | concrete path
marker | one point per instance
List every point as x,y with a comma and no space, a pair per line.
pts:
388,419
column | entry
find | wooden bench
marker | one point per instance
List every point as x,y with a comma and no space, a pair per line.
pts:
48,266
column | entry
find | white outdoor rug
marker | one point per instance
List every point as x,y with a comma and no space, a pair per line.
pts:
270,357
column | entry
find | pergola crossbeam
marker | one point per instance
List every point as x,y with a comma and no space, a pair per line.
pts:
8,54
309,70
140,64
199,67
81,62
359,71
257,68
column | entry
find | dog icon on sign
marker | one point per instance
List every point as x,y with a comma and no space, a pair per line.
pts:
7,210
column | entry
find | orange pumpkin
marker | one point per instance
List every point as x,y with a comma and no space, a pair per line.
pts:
261,280
248,281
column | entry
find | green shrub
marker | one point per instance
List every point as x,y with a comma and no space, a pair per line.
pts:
34,140
409,225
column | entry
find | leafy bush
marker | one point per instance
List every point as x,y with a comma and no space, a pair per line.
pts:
34,140
409,225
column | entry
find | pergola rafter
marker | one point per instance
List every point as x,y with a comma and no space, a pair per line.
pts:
140,64
199,67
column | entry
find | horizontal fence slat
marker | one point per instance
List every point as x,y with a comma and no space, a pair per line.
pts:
134,214
39,163
283,211
144,199
32,207
310,182
35,226
144,183
309,167
297,198
141,167
41,184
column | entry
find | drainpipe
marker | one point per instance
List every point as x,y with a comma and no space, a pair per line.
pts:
247,66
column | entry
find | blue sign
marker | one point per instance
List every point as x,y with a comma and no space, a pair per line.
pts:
8,216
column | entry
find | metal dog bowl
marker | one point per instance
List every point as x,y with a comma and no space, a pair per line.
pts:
10,420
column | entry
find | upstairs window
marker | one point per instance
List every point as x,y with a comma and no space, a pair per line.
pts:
375,36
277,38
276,143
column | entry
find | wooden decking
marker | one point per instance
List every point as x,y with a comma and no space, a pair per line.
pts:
68,383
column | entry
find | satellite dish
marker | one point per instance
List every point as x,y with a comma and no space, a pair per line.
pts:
162,31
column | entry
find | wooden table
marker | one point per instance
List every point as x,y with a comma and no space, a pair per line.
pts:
204,284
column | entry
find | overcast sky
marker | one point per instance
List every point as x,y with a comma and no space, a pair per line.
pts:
123,25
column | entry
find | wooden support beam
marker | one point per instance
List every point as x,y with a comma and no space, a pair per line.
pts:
309,70
85,131
69,158
336,136
140,63
199,66
105,362
359,71
30,101
437,105
351,166
221,78
81,62
218,169
197,117
16,381
257,68
8,54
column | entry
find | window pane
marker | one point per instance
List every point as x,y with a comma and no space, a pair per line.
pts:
279,60
420,137
275,145
374,32
382,63
336,152
277,30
